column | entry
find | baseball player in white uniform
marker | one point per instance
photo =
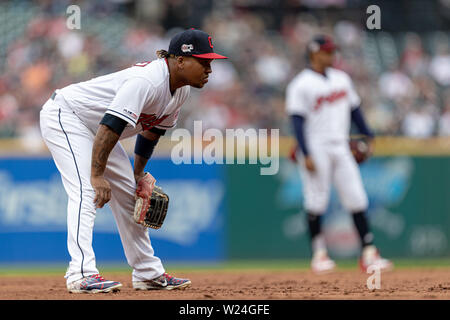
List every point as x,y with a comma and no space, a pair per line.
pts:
82,124
322,102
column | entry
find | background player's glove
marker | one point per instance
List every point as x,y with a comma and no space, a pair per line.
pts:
151,203
293,154
361,149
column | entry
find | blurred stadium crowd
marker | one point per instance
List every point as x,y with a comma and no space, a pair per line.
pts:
402,77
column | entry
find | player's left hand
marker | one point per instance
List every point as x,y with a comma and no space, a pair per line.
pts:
361,148
145,186
157,209
144,190
371,145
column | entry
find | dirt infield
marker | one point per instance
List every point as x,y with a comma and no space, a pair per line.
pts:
255,285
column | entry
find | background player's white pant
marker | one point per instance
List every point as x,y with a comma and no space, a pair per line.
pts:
70,143
334,165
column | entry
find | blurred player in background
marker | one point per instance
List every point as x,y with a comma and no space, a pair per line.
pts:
82,125
322,102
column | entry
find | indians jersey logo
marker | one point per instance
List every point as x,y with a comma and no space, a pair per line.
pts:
150,120
332,97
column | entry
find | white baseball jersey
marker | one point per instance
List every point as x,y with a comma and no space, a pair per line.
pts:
140,95
324,101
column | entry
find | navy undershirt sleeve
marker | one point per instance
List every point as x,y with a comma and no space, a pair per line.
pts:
158,131
144,147
298,123
114,123
358,119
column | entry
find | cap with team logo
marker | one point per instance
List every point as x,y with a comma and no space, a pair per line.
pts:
194,43
322,42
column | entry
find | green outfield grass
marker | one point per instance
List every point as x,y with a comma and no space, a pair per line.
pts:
232,266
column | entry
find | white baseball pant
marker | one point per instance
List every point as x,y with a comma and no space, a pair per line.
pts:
334,164
70,143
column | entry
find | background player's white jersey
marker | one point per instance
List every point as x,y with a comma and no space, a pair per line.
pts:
139,95
324,101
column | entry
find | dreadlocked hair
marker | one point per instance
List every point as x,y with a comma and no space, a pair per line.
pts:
164,54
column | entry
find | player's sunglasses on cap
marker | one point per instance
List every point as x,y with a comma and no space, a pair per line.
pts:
195,43
322,42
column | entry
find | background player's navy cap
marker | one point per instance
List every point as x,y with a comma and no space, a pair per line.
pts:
194,43
322,42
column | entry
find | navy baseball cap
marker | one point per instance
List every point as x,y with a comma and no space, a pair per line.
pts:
322,42
195,43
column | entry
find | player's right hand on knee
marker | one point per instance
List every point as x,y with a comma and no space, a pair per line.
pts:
309,164
102,190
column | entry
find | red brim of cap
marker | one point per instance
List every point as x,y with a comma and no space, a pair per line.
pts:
211,55
329,47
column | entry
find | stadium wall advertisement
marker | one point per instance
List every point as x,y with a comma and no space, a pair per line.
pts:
409,211
33,214
221,212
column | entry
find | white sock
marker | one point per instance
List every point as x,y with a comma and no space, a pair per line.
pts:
319,246
369,251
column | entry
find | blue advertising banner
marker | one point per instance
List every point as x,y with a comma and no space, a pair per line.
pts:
33,214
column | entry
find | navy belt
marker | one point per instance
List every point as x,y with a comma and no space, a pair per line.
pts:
53,95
